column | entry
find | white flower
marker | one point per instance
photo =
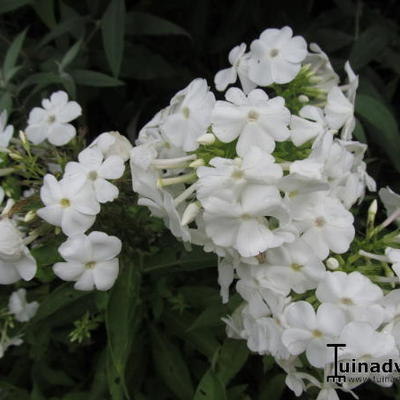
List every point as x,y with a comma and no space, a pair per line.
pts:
353,292
292,266
394,258
310,331
6,131
16,262
96,170
322,70
7,342
239,61
309,124
227,176
189,115
18,305
90,261
255,119
69,203
390,200
339,109
325,223
113,144
52,121
242,225
276,56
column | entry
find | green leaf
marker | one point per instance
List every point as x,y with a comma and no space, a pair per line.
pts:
171,366
382,119
370,44
141,23
121,324
61,29
273,388
45,10
12,55
113,31
203,340
210,388
64,295
85,77
142,63
232,357
11,5
70,55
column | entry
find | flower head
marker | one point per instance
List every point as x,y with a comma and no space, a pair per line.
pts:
90,261
52,121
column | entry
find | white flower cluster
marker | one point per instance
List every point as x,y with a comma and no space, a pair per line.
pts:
74,202
71,203
265,178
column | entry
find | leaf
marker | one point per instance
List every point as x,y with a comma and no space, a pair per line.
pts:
122,322
85,77
273,388
62,28
171,366
370,44
113,31
142,63
64,295
232,357
11,5
45,10
210,388
203,340
12,55
141,23
70,55
381,118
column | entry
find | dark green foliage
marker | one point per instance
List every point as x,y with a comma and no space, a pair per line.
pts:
158,334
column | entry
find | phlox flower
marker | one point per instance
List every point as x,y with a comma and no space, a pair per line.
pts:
91,261
240,65
6,131
276,56
310,331
96,169
16,262
69,203
19,306
52,121
255,120
189,115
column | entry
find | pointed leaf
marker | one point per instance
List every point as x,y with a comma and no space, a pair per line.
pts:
85,77
171,366
210,388
113,31
12,54
384,124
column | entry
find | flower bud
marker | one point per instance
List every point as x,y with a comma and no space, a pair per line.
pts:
372,210
303,99
332,263
30,216
206,139
197,163
24,140
190,213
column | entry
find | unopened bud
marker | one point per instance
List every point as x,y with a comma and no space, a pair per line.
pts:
197,163
303,99
24,140
30,216
372,210
332,263
207,138
15,156
190,213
